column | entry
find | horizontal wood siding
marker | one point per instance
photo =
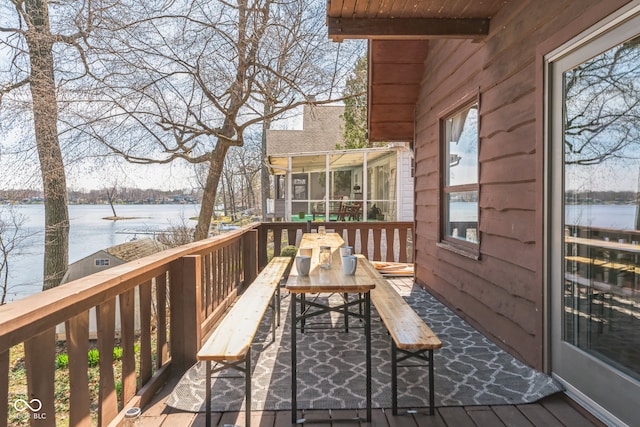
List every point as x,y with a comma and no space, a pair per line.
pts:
502,292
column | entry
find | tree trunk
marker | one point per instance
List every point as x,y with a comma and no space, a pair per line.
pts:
265,184
210,190
45,114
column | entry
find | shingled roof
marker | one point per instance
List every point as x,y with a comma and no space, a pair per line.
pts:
136,249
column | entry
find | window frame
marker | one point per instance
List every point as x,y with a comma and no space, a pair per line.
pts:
463,247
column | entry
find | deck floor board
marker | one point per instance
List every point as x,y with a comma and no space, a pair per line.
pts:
553,411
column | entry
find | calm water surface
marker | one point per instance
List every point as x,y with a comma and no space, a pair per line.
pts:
89,233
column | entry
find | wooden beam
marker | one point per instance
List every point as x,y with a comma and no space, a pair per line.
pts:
402,28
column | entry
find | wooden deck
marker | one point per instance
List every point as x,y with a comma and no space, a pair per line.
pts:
553,411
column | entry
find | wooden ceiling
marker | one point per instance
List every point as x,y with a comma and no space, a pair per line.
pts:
410,18
399,31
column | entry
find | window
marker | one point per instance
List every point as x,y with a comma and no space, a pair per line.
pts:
280,185
300,186
102,262
460,186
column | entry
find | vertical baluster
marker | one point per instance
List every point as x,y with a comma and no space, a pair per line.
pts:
262,246
351,238
364,242
218,283
127,338
4,386
236,263
292,233
40,354
402,239
161,322
108,402
390,233
77,330
277,241
227,269
377,243
145,332
207,297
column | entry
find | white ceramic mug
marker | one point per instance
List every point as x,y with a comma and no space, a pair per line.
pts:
349,264
346,250
303,265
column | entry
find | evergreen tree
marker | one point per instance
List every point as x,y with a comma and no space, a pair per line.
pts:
355,111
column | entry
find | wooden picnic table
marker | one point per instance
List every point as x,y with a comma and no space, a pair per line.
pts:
330,280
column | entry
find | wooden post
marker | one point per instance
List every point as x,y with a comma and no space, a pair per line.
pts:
250,256
262,245
186,311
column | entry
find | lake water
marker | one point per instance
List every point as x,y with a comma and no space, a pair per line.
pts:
621,217
88,234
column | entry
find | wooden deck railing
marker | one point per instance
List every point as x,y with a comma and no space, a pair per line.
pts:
604,259
180,293
378,241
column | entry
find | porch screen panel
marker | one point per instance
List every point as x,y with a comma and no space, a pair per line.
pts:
601,129
381,188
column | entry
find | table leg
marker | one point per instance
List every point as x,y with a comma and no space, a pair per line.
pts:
294,361
346,312
367,332
302,310
207,393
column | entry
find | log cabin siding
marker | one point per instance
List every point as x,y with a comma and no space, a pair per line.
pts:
502,292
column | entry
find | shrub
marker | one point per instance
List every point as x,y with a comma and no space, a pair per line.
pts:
94,357
117,353
289,251
62,361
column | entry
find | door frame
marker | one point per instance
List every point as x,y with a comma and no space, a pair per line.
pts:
567,363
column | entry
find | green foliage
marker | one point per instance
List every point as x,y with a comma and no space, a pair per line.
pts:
354,132
62,361
289,251
94,357
117,353
119,389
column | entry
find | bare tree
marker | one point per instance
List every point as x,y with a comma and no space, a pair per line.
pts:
111,195
192,79
30,42
603,107
12,234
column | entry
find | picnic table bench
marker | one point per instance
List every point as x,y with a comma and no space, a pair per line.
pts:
410,335
229,346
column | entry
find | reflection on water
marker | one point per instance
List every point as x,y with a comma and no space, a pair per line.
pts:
88,234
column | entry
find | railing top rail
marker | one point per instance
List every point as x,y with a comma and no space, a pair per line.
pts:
20,320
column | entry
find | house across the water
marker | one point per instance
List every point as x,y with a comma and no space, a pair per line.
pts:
108,258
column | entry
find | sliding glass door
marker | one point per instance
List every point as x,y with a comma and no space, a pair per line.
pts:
595,229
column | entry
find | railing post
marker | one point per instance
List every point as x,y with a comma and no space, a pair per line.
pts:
250,256
186,311
262,245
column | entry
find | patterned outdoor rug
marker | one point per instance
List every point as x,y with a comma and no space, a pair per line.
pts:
469,369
